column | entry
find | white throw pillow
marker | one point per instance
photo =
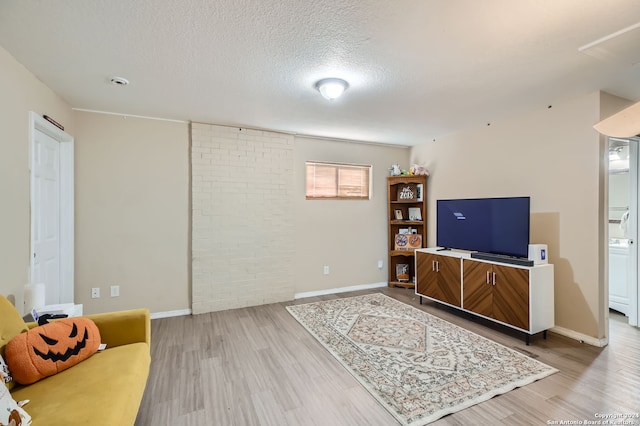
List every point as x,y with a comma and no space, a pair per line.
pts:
10,413
5,374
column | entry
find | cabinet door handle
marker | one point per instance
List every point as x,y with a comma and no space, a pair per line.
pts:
433,265
494,278
487,281
437,266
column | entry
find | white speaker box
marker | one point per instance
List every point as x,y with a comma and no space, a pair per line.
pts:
538,253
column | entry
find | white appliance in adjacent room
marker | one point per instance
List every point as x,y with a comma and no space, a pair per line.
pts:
619,291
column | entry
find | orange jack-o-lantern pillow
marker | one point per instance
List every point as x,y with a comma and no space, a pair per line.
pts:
51,348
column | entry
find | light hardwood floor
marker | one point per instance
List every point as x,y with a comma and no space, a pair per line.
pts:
258,366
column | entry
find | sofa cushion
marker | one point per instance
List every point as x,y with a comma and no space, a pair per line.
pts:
106,389
51,348
11,324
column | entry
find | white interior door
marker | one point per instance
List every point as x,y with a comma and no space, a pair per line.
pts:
45,205
52,210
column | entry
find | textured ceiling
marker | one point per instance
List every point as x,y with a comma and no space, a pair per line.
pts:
417,69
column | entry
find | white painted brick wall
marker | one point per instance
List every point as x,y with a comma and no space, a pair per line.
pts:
242,229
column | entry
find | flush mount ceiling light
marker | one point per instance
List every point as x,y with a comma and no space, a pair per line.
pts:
118,81
331,88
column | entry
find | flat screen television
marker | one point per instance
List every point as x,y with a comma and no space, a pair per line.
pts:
489,225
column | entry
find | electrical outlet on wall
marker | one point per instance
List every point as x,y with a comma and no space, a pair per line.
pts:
326,270
95,292
380,264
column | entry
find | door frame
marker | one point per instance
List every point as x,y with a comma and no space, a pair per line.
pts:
632,227
67,253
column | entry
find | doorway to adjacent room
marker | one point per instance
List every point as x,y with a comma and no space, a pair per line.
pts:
623,228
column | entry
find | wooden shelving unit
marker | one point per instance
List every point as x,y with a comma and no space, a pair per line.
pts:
401,201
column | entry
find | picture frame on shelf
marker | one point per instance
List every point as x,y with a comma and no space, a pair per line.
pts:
398,214
415,213
402,272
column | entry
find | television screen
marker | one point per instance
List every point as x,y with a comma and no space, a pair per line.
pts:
490,225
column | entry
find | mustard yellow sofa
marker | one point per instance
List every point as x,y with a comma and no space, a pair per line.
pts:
105,389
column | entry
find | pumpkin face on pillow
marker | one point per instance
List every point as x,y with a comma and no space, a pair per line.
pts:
51,348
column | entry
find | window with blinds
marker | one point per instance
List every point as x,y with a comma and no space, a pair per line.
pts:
334,181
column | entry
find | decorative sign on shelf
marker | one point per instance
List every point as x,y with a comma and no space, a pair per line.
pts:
408,241
408,192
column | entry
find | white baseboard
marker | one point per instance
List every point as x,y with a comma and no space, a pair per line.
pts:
168,314
582,338
181,312
338,290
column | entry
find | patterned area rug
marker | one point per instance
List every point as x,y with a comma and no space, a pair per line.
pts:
418,366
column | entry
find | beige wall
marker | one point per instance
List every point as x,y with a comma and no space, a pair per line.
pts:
132,212
554,156
348,236
21,92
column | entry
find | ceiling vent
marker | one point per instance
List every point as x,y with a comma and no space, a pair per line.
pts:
620,47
